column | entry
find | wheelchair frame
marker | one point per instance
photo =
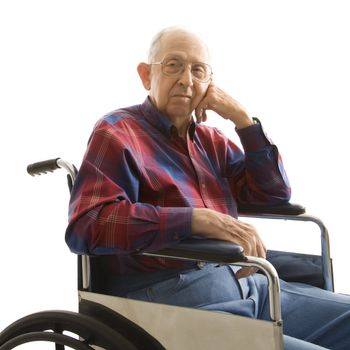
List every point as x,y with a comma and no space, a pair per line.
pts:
126,314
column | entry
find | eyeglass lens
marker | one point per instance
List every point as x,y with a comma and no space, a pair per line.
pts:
174,66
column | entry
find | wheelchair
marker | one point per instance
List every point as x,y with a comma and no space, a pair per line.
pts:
111,322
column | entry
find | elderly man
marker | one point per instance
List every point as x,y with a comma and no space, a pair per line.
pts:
152,175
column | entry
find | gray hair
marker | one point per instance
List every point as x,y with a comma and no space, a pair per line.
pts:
155,44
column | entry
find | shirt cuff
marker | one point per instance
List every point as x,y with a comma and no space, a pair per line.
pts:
253,137
175,223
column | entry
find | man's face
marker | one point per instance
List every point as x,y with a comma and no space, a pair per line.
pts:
177,96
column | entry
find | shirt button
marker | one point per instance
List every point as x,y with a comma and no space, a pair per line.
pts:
203,185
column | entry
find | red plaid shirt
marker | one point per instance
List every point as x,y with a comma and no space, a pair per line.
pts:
139,181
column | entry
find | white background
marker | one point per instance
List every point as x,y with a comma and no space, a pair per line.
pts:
66,63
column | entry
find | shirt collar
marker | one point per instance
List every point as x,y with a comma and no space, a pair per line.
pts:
160,121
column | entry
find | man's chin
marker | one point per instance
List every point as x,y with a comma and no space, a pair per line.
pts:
180,112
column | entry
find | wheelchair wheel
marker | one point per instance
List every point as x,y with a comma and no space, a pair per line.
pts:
50,326
59,339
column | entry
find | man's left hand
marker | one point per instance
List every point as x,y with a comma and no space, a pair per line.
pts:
224,105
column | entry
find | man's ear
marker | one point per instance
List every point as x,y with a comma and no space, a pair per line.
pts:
144,71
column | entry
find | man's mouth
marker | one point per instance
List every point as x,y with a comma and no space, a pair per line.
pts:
182,96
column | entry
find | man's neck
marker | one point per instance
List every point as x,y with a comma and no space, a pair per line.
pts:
181,124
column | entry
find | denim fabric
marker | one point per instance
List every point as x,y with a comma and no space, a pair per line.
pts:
316,315
310,315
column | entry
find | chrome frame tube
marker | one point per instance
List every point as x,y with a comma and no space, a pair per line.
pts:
325,242
263,265
273,285
68,167
260,263
85,271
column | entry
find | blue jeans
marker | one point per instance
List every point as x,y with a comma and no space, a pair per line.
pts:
310,315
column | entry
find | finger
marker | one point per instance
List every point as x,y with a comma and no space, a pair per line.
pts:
200,110
245,272
246,239
199,114
198,117
260,248
202,105
204,115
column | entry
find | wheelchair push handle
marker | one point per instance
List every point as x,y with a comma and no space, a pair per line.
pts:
43,167
51,165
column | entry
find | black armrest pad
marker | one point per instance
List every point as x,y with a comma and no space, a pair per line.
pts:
210,250
281,209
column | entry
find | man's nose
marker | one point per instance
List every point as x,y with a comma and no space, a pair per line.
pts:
186,78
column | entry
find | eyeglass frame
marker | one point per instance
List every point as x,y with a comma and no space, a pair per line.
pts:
181,71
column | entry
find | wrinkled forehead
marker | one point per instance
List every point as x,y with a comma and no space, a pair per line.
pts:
185,45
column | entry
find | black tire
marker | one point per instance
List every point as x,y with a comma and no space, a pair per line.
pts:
49,326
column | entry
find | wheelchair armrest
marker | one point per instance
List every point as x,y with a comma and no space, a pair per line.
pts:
279,209
216,251
209,250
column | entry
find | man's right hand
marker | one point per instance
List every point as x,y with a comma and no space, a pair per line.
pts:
212,224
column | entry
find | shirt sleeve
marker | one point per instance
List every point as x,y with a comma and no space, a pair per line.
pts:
105,216
259,176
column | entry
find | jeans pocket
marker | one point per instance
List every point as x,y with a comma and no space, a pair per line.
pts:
163,290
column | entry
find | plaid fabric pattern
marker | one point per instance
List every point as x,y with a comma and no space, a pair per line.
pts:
139,181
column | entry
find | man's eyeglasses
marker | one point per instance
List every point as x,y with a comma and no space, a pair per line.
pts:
172,67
